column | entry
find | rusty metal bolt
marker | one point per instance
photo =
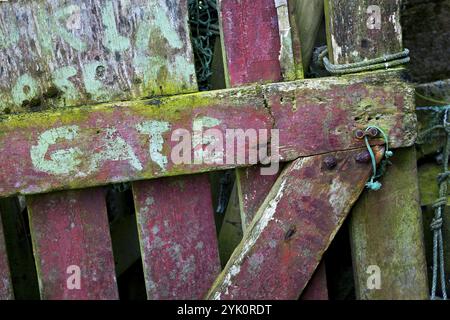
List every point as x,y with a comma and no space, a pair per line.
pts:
359,134
373,132
330,162
363,157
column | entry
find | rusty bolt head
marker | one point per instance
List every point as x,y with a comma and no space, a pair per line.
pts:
363,157
330,162
373,132
359,134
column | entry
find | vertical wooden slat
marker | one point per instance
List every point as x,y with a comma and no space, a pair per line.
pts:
243,52
251,41
184,260
6,290
177,236
356,31
292,229
71,238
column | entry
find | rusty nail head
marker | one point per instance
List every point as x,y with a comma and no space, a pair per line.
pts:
373,132
359,134
363,157
330,162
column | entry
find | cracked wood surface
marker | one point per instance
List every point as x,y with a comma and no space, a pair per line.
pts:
6,289
292,229
62,54
128,141
71,238
177,236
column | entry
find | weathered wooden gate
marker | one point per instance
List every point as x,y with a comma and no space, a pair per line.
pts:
100,92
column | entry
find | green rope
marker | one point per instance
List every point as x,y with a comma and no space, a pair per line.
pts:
384,62
373,184
439,205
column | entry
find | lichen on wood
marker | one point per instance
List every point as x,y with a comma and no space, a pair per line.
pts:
56,54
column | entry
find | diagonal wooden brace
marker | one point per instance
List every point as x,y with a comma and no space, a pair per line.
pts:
293,228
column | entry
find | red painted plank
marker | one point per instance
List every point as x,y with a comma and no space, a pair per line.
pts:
178,236
251,40
85,147
290,232
70,234
6,289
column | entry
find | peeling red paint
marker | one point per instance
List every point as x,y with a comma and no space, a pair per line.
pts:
71,228
252,42
177,235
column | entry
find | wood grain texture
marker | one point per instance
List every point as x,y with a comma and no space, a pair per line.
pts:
6,289
178,236
67,53
129,141
251,41
71,228
386,231
296,223
363,29
289,56
426,33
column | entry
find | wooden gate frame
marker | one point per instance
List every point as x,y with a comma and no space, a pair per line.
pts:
299,217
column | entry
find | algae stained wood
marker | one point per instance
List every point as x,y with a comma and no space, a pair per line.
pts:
72,245
362,29
372,29
56,54
387,236
295,225
127,141
6,289
177,235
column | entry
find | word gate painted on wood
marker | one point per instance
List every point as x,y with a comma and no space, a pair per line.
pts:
129,141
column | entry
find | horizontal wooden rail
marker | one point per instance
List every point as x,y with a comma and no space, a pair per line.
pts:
128,141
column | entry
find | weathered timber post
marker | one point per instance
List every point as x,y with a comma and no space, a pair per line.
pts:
285,19
386,228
